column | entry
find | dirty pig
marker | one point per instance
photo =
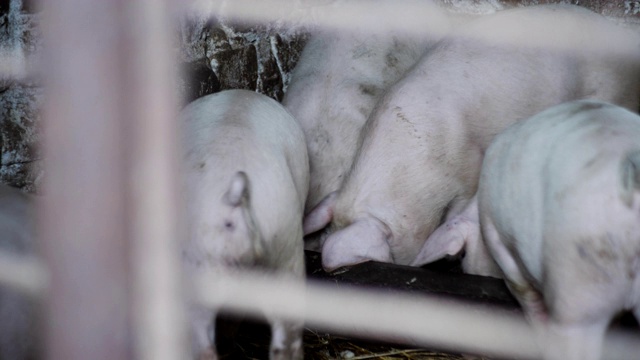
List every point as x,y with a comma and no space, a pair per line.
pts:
559,208
339,77
246,180
419,157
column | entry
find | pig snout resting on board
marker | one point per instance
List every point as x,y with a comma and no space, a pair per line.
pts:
340,75
559,205
247,176
421,149
18,319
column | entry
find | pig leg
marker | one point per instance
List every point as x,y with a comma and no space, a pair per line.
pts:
477,259
581,299
577,341
286,336
203,333
577,323
529,298
286,340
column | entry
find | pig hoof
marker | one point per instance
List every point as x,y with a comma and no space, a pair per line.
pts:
292,353
208,354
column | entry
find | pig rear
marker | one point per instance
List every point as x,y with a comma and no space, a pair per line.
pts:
247,178
559,205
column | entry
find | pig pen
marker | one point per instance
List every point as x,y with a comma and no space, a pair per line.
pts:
275,55
444,279
218,54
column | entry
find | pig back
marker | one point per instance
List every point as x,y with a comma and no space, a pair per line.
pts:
338,79
428,134
556,179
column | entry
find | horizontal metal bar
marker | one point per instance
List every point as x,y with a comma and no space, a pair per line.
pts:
400,317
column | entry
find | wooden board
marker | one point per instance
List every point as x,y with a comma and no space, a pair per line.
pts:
443,278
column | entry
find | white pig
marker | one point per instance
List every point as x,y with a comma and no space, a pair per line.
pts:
18,320
339,77
559,204
421,150
247,176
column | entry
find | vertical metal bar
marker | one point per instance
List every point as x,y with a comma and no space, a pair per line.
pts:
158,305
83,213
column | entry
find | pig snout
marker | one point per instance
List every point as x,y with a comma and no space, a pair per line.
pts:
460,234
361,241
365,239
320,216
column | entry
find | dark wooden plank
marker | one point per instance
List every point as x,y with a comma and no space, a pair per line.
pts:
443,278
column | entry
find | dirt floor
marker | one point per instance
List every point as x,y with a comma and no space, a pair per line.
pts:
250,339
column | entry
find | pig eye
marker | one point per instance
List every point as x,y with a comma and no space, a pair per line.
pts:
228,224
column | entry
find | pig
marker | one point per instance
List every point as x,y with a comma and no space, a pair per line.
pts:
559,208
460,232
419,156
338,79
246,179
19,339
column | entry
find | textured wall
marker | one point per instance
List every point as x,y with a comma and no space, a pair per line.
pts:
213,56
217,56
20,98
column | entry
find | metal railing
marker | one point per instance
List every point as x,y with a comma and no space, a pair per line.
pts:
110,222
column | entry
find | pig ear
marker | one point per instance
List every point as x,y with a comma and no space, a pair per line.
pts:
238,192
361,241
448,239
321,215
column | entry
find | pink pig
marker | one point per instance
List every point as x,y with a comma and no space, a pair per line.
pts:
341,74
247,177
559,205
420,152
